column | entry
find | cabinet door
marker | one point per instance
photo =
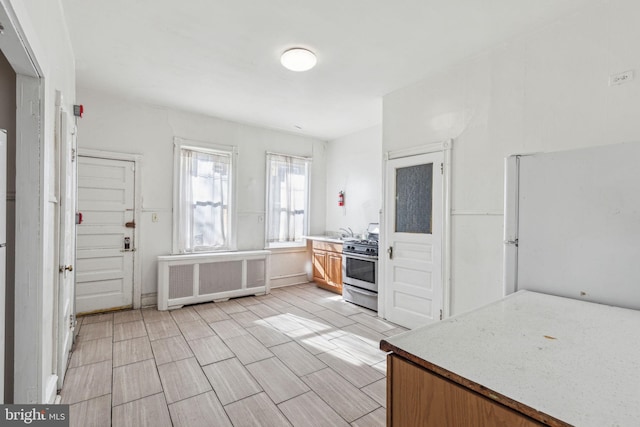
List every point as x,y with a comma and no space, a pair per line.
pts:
334,269
419,398
319,266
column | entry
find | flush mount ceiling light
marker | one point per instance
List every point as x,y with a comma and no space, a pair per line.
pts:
298,59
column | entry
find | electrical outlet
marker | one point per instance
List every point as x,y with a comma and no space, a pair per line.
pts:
621,78
154,217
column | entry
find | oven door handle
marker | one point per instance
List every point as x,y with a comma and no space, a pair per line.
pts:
360,256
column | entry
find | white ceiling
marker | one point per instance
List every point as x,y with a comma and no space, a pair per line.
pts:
221,57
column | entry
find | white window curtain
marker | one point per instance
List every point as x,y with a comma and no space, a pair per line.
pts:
204,194
287,198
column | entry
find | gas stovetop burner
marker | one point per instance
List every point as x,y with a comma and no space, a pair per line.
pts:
363,247
363,242
368,247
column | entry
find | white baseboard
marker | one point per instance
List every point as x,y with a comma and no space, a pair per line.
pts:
150,300
289,280
51,389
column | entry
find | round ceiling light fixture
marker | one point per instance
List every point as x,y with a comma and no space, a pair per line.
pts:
298,59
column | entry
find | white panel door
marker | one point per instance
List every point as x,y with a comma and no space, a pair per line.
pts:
413,286
66,283
104,260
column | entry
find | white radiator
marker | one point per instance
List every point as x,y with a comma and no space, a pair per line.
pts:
190,279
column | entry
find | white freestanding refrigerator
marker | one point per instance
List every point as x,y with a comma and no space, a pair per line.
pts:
3,248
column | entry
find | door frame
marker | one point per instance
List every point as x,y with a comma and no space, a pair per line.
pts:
33,378
511,198
446,148
137,211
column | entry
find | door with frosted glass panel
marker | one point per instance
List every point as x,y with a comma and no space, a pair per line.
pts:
413,285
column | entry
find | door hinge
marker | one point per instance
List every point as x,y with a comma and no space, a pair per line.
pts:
441,168
73,155
72,321
440,314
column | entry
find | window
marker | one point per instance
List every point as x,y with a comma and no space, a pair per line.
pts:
287,199
414,188
203,195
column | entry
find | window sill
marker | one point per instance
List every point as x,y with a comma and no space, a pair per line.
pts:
206,251
287,245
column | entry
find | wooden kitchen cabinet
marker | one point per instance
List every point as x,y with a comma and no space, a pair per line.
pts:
327,265
420,398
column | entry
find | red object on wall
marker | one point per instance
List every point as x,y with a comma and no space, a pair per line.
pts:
341,198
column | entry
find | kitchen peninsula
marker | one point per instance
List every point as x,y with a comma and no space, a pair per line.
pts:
529,359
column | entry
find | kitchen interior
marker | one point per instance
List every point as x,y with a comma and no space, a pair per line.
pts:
348,264
496,296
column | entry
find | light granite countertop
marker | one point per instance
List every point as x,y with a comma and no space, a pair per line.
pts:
330,239
576,361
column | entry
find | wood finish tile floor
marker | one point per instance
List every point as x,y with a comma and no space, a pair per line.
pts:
299,356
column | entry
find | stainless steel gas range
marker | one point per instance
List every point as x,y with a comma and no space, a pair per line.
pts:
360,269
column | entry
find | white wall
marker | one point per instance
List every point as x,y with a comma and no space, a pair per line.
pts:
44,30
545,91
120,125
354,165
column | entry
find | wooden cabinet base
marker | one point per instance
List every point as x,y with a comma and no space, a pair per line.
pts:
332,288
327,266
417,397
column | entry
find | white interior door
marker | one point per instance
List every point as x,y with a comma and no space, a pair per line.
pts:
67,237
104,259
413,287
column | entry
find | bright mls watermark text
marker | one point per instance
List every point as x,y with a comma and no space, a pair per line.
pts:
34,415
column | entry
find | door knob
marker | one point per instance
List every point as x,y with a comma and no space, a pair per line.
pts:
390,250
64,268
